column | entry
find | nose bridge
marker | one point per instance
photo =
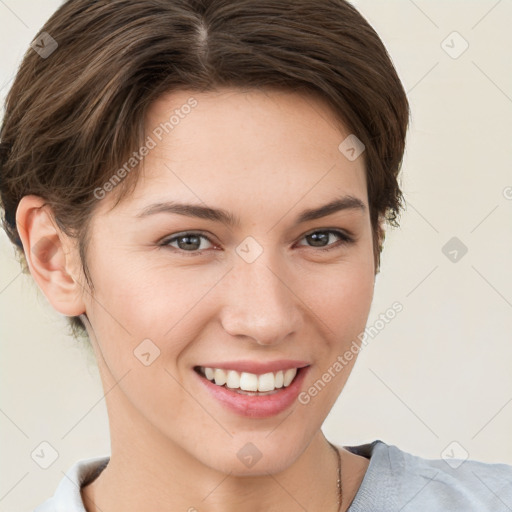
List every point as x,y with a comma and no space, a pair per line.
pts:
259,304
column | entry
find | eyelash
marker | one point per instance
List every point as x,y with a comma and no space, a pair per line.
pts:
345,239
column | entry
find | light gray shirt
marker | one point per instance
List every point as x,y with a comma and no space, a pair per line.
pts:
395,481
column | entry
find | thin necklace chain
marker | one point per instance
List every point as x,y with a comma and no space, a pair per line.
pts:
340,495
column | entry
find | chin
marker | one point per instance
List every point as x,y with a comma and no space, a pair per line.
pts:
249,456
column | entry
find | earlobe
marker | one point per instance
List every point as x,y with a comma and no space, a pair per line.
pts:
50,255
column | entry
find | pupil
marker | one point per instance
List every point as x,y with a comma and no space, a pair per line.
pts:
320,236
194,244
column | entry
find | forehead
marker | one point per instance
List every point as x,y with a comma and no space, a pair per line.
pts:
270,145
231,109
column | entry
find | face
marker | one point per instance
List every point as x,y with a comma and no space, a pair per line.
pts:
174,291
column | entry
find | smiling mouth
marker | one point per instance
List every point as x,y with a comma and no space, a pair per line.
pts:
247,383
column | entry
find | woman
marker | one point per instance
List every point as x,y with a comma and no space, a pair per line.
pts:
202,188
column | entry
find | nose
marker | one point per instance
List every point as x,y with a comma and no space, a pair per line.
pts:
259,302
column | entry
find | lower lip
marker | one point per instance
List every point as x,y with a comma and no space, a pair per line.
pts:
254,406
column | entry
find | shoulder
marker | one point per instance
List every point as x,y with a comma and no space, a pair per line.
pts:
410,482
67,497
455,484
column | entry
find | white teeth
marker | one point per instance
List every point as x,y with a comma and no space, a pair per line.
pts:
250,381
233,379
220,377
279,381
266,382
288,376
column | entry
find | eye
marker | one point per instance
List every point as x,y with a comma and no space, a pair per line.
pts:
320,239
191,242
186,242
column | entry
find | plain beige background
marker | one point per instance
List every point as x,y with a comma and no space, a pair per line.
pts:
436,380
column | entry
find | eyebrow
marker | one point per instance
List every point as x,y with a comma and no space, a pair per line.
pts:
220,215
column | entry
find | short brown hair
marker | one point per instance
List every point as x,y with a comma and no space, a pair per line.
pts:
74,117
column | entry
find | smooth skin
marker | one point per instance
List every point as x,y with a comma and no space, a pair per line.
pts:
264,156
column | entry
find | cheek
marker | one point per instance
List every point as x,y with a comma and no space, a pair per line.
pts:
340,296
138,302
139,326
340,309
146,321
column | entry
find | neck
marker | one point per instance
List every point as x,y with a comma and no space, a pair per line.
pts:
143,481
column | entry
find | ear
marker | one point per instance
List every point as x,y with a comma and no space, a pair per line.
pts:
51,256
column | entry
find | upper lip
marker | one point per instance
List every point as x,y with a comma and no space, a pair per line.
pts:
256,366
